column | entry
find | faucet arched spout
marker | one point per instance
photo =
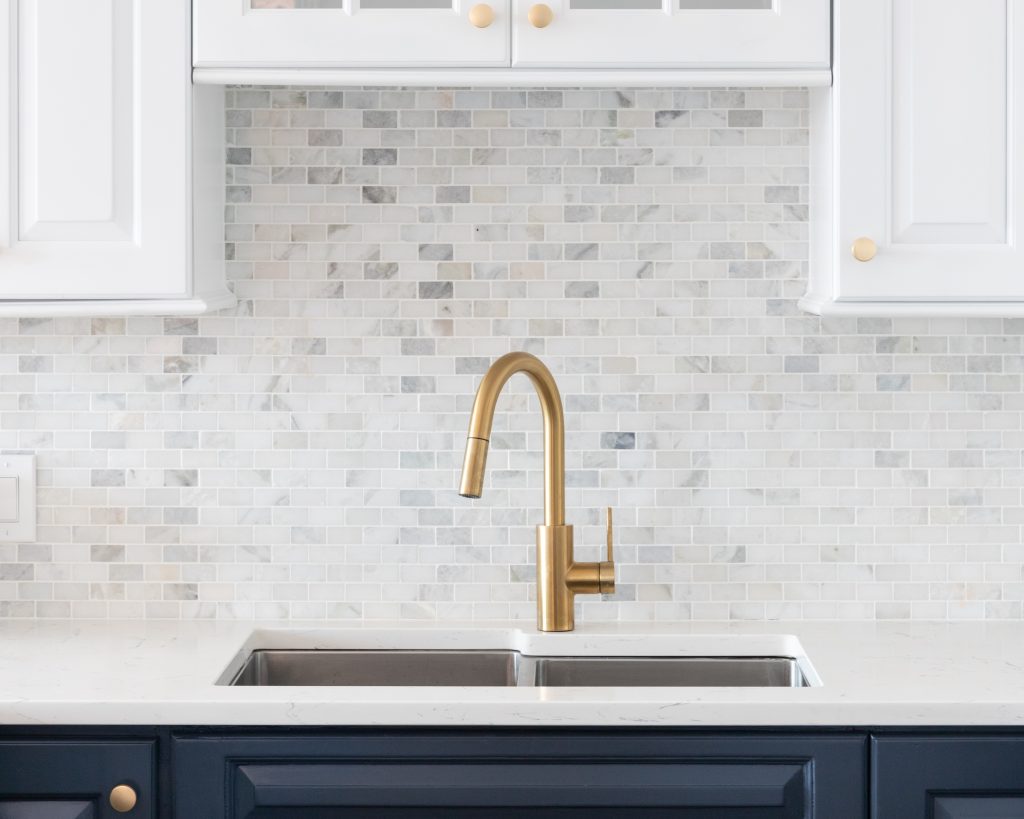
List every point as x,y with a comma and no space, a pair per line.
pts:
479,436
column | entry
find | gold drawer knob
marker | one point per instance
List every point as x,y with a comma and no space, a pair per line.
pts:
123,798
540,15
864,249
481,15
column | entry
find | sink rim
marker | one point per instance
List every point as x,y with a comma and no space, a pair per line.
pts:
525,669
589,640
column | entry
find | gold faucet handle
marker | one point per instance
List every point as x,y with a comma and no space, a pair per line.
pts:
606,569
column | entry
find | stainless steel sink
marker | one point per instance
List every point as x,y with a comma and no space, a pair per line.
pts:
509,668
379,668
745,672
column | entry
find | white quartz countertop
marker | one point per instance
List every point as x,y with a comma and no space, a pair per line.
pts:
165,673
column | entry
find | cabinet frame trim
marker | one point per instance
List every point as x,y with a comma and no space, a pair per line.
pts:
519,77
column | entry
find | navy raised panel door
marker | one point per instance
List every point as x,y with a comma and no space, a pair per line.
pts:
497,776
57,779
929,777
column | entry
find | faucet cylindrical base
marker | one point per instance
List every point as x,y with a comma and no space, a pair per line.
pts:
554,594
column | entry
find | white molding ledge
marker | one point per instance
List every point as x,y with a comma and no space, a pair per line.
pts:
515,77
918,309
116,307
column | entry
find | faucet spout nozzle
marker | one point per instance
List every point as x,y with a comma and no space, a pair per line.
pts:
473,467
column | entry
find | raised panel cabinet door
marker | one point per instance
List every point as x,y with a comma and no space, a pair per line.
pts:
932,777
929,143
350,33
94,155
422,776
58,779
708,34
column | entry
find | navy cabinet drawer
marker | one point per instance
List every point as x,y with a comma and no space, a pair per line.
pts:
928,777
501,777
57,779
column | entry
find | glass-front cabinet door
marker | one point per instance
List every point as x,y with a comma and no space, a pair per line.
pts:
350,33
733,34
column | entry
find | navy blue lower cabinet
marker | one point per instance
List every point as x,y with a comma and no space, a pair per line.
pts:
54,779
501,776
928,777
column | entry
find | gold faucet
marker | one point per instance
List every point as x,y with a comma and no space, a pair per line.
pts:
559,577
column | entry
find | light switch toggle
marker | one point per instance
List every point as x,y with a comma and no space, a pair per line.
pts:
8,500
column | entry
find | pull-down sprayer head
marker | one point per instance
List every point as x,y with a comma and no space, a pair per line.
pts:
473,467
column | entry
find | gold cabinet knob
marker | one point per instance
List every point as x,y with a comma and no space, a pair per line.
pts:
864,249
481,15
123,798
540,15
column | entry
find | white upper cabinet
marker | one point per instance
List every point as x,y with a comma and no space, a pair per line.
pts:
346,33
278,40
918,167
672,33
96,155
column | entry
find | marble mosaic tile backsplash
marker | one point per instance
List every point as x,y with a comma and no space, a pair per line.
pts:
298,457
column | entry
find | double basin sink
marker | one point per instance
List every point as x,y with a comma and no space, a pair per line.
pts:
508,668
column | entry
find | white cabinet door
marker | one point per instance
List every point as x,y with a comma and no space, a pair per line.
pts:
350,33
921,151
94,150
673,33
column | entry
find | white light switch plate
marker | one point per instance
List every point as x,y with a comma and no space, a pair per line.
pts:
17,498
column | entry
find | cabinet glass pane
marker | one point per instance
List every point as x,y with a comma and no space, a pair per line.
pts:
647,5
340,4
405,4
624,5
297,4
726,5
